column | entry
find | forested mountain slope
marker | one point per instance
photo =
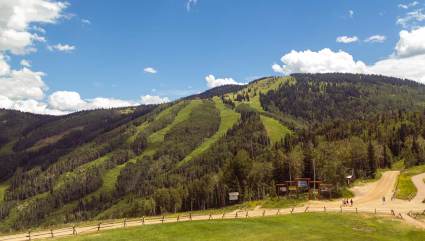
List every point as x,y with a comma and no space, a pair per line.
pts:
190,153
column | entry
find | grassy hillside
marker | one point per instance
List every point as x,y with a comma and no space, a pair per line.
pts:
189,154
228,118
300,227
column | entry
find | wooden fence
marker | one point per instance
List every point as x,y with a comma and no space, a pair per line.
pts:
84,229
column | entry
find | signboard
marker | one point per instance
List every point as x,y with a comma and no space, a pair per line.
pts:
302,184
233,196
292,188
283,189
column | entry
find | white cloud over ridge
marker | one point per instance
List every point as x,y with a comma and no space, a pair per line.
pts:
153,100
213,82
407,61
24,89
347,39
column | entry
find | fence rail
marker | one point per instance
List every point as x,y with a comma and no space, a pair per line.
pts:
77,230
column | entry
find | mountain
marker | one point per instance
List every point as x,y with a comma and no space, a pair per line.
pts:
190,153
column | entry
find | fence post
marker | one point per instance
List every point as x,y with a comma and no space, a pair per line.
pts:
209,218
236,215
29,234
324,209
306,209
190,216
74,230
392,212
246,215
356,210
264,213
224,213
98,226
278,211
292,210
375,210
340,209
162,220
51,233
178,218
125,222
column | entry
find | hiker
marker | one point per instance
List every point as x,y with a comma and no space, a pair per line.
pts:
383,200
351,202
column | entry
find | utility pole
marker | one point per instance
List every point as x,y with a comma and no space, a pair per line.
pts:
314,177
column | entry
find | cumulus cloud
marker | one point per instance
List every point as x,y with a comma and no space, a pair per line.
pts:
407,61
61,47
150,70
376,39
24,89
322,61
153,99
213,82
347,39
411,43
16,18
190,4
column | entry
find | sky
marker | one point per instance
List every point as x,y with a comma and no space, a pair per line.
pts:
58,57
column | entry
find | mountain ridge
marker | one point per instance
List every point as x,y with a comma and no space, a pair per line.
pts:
189,153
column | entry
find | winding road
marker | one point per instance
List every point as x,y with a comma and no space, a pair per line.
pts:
368,199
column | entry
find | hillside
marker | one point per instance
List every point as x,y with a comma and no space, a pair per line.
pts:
188,154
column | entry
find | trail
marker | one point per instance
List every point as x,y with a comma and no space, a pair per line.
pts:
368,199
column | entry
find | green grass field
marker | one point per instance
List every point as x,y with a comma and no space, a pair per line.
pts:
297,227
275,130
228,119
405,188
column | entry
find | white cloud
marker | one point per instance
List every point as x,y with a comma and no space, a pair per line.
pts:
16,17
411,43
66,101
376,39
407,61
61,47
25,63
21,84
190,4
322,61
350,13
213,82
150,70
347,39
409,5
409,68
151,100
411,19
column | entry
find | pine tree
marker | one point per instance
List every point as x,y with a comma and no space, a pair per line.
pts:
371,159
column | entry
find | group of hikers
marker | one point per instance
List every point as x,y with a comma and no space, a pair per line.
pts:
346,202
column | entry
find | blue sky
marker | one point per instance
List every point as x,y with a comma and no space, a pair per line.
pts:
114,41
